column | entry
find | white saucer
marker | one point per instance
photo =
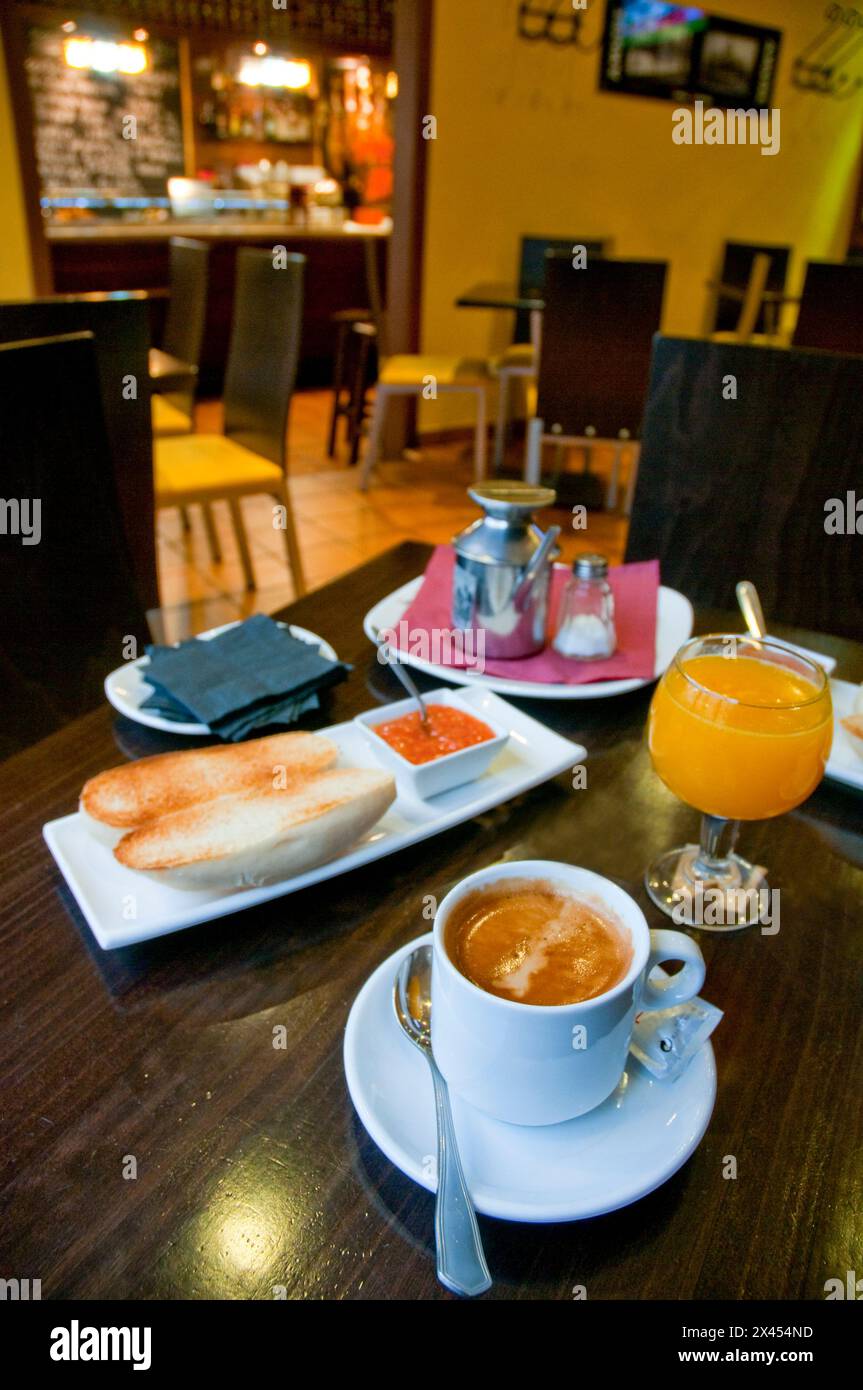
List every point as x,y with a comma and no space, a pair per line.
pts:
606,1159
845,764
127,687
674,620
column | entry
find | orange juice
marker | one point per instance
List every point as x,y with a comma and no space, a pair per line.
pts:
740,737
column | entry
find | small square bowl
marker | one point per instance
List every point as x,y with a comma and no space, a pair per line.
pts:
451,770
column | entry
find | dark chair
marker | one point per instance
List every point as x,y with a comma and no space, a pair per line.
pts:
594,365
735,274
520,360
251,456
68,593
737,489
174,366
121,331
531,268
831,308
358,338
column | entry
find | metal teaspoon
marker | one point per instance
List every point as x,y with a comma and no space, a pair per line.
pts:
750,607
461,1264
407,681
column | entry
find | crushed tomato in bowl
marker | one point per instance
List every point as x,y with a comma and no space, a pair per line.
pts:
449,731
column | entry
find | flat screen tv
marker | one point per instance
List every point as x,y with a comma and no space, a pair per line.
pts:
680,53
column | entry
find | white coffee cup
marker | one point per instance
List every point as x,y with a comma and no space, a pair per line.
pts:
537,1064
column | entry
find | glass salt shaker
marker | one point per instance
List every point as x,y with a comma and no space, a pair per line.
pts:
585,619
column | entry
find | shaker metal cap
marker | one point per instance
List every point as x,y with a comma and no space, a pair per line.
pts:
505,534
590,567
506,499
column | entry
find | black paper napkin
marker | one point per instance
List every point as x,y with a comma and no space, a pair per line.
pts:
251,677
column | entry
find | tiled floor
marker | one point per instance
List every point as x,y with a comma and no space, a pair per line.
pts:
339,527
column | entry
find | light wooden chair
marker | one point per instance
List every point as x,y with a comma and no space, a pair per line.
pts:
751,303
411,374
251,456
517,361
728,288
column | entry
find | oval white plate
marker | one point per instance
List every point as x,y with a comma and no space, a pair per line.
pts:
533,754
674,622
845,764
612,1156
127,687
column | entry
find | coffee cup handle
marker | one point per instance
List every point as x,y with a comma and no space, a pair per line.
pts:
677,989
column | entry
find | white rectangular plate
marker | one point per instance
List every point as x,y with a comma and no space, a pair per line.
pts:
844,764
109,895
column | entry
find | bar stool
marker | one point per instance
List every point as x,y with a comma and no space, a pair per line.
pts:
357,331
365,355
344,322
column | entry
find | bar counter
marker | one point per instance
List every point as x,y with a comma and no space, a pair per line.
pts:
134,256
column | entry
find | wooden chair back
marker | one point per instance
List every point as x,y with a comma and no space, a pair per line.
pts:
264,351
531,268
831,308
744,486
187,308
597,332
736,269
120,325
750,309
68,591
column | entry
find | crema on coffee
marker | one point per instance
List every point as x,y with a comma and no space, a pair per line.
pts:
536,944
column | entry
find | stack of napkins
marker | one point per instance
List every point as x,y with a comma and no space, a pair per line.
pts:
251,677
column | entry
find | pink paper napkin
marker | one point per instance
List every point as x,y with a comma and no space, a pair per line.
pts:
636,592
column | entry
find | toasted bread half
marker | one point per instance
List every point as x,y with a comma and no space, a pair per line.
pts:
130,796
259,836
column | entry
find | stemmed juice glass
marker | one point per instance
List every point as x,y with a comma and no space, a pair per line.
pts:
740,729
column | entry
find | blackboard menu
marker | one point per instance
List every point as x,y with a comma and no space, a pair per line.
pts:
84,137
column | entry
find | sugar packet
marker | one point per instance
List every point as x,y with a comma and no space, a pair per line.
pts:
666,1040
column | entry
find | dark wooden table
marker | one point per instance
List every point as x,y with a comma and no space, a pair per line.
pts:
252,1168
500,295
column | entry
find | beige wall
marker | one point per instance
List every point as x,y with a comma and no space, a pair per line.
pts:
527,144
16,273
